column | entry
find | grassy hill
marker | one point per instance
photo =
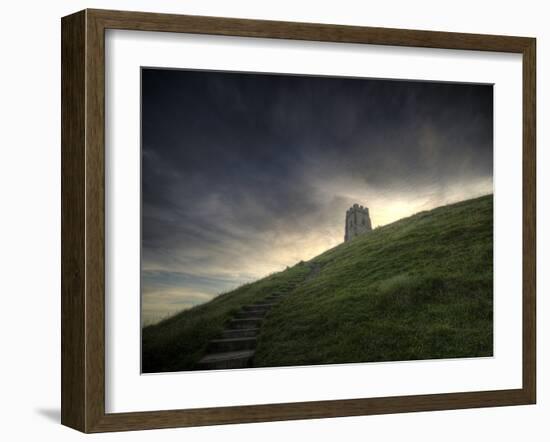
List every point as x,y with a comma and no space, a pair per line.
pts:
420,288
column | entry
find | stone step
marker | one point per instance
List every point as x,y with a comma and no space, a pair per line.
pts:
245,323
240,333
232,359
236,346
231,344
245,314
258,307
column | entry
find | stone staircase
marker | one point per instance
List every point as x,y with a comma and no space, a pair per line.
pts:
235,347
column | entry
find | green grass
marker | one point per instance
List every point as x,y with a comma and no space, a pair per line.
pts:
420,288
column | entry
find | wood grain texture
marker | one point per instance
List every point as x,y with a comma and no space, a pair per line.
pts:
145,21
529,221
73,128
83,220
95,222
308,410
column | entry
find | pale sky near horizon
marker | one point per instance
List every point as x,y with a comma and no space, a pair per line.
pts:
245,174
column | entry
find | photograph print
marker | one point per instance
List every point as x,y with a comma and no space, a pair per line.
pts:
298,220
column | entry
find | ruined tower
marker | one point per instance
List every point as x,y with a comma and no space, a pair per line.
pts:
357,221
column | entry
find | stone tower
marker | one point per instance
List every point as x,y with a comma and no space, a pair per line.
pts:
357,222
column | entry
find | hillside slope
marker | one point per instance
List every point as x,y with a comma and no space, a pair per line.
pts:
420,288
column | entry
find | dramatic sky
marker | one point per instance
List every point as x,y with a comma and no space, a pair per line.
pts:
245,174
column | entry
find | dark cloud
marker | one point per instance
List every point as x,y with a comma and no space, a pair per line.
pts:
239,167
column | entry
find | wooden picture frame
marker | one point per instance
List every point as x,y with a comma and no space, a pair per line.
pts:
83,220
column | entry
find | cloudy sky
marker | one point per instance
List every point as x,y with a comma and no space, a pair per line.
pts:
244,174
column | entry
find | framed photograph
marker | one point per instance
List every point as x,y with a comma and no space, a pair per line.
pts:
269,220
